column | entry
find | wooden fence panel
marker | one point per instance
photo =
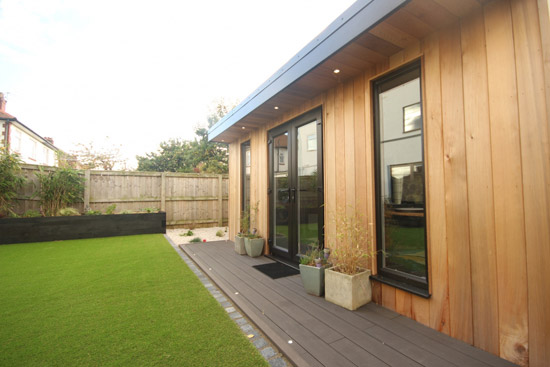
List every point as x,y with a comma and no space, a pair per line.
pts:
189,199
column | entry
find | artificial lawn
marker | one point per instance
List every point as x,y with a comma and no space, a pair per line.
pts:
117,301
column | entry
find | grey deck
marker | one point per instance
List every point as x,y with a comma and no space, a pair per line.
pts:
322,333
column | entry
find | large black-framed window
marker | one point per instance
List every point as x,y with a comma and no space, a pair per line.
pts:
245,175
400,180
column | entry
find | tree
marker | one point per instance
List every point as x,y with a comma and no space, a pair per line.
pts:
219,109
105,157
198,155
174,156
209,156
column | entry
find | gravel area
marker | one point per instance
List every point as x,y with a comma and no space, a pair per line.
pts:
208,234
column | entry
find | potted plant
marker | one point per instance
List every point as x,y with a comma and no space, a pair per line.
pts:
253,242
347,282
243,232
312,270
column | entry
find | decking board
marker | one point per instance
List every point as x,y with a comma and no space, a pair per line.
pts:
324,334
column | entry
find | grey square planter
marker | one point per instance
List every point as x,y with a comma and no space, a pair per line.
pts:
254,247
313,279
348,291
239,245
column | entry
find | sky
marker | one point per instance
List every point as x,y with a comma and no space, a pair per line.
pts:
142,72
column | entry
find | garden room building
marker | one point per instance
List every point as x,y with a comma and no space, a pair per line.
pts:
431,118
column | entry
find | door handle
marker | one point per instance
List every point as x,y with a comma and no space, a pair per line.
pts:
293,195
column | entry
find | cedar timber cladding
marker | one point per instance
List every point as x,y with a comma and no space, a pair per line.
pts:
486,93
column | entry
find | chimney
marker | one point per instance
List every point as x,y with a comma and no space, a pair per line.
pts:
2,102
49,140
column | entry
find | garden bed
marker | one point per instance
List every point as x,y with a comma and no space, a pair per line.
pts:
40,229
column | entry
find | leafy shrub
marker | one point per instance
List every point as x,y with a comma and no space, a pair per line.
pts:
186,234
196,239
150,210
68,212
10,180
93,212
219,233
127,212
31,213
110,209
59,188
313,252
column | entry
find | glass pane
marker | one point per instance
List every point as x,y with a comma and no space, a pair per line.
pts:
281,191
402,179
246,179
307,199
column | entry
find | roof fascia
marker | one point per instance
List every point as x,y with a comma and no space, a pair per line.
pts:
358,18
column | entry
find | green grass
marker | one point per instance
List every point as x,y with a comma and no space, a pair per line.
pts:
123,301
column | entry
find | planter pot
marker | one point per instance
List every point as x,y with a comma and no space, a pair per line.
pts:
348,291
313,279
254,247
239,245
40,229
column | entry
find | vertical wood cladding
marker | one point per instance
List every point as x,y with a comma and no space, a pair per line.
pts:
487,156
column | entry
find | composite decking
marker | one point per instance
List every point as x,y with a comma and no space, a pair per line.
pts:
322,333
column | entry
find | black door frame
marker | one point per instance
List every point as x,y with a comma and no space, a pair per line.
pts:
292,128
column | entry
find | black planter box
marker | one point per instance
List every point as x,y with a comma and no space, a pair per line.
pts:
41,229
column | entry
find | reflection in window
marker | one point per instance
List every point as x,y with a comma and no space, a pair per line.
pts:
400,175
312,142
307,198
245,151
412,118
281,189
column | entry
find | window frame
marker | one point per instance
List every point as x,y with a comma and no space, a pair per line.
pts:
398,279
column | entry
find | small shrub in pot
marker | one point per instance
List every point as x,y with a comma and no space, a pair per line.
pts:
312,270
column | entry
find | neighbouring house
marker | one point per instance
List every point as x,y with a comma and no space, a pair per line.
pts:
32,148
431,117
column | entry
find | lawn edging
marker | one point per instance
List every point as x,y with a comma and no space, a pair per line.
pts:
41,229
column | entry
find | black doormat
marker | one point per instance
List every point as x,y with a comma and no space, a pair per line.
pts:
276,270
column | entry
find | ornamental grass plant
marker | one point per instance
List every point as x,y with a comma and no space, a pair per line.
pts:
351,247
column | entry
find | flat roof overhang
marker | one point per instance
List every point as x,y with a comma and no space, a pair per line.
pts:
365,35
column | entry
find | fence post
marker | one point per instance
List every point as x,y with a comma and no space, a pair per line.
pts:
220,200
163,192
87,185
